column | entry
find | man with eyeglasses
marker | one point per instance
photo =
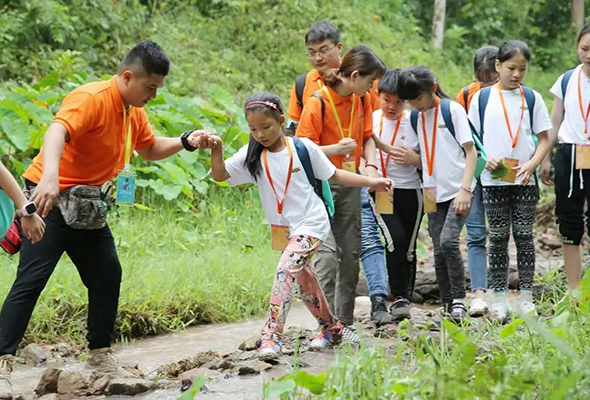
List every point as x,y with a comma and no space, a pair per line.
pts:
324,50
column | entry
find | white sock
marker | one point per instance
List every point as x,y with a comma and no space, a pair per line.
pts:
500,297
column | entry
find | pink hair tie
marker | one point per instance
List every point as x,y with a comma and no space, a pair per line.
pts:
265,103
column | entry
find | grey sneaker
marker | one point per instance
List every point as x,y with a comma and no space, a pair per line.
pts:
5,372
103,360
379,313
400,309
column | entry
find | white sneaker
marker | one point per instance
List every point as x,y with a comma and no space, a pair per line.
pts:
499,311
525,303
478,307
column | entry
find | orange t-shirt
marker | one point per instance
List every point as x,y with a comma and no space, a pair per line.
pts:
326,132
95,153
314,82
471,90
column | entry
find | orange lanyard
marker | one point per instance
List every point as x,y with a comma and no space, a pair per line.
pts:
384,164
430,154
333,106
514,138
580,102
265,158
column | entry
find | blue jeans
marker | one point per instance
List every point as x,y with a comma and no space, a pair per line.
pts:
372,249
476,242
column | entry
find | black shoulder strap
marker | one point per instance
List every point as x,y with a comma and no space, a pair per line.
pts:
466,98
529,97
299,87
319,96
414,120
303,155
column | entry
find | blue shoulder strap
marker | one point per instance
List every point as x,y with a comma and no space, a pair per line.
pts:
445,110
484,96
529,98
414,120
565,81
303,155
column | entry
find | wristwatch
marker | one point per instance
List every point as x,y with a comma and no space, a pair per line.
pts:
29,209
185,143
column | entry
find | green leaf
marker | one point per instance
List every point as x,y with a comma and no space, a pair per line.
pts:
198,383
316,384
278,388
17,132
511,328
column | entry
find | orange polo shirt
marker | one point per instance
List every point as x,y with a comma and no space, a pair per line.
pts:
326,132
471,90
95,153
314,82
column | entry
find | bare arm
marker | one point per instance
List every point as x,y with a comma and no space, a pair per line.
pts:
218,170
10,186
349,179
463,198
47,191
163,147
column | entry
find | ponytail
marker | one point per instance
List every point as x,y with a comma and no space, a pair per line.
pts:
417,80
360,58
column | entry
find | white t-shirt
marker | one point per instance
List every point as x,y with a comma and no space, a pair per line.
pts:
404,176
449,160
303,211
572,127
496,138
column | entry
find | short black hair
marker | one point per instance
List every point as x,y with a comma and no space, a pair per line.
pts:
510,48
415,81
484,63
388,82
321,31
150,55
585,30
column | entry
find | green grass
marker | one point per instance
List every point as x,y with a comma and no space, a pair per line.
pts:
179,269
526,359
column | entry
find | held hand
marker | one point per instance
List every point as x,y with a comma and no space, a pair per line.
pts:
404,156
33,227
462,202
493,164
371,172
381,185
346,146
46,195
525,170
201,139
546,172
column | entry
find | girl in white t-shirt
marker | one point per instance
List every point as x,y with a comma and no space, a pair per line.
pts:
510,189
297,216
572,179
398,158
448,165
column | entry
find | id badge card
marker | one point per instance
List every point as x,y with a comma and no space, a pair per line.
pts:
349,164
430,199
583,156
280,236
126,186
510,163
383,203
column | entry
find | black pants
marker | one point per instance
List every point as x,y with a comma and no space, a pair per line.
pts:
94,255
403,226
570,197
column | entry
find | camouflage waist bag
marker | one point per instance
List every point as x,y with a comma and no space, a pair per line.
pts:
84,207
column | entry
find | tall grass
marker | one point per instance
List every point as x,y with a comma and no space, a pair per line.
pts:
179,269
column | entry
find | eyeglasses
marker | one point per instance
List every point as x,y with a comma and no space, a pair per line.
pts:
321,52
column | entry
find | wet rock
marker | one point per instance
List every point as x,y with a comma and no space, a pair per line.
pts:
187,378
129,387
551,242
418,317
386,332
173,370
87,383
134,370
48,382
250,343
167,384
288,351
51,396
61,350
34,355
417,298
19,397
223,364
362,307
248,355
253,368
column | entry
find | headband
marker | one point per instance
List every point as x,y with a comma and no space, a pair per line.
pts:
265,103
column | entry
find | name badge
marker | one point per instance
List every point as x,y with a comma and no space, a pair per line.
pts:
383,203
349,164
583,156
430,199
126,186
510,163
280,237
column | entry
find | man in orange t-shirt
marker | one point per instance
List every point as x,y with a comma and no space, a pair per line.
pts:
86,145
324,50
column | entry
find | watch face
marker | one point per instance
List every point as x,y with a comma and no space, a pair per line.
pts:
31,208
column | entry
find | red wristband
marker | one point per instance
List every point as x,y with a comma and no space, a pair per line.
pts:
372,165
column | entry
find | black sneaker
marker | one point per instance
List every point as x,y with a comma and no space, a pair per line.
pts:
400,309
379,312
458,312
